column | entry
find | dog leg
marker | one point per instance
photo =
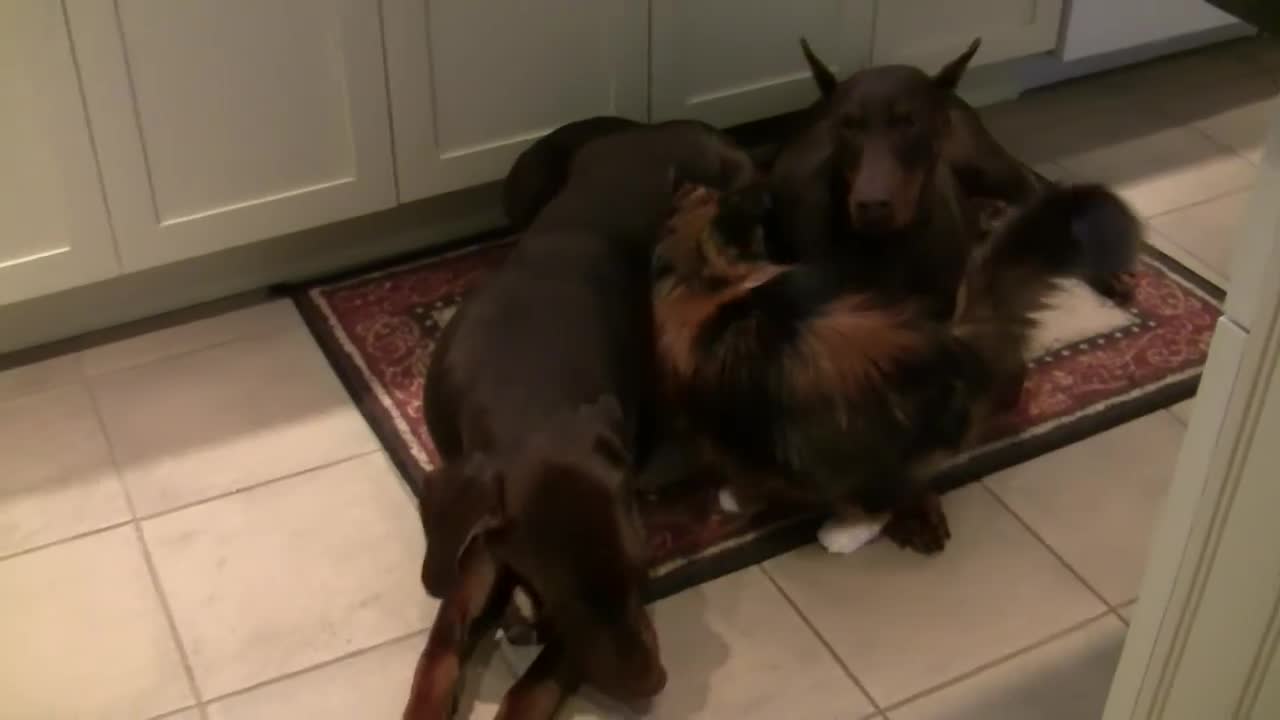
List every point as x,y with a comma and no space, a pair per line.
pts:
541,689
920,525
433,693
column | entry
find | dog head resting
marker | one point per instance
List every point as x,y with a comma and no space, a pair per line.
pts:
560,516
888,126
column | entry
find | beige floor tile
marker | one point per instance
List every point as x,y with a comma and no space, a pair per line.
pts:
1243,127
1262,52
58,478
1235,114
1067,679
369,686
1182,410
904,623
735,648
1192,262
290,574
188,714
257,320
210,422
1082,115
1189,73
1097,501
1208,230
1163,170
39,376
84,635
1127,610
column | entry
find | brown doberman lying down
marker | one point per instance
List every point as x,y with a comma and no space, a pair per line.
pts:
543,168
884,177
536,400
847,398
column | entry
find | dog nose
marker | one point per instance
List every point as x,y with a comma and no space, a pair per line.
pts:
874,210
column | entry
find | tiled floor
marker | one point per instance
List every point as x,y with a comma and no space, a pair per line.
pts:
196,523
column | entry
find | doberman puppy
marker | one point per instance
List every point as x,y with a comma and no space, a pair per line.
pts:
537,400
883,180
849,398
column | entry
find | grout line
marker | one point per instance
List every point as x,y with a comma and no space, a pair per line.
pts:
1204,201
1121,618
1052,551
822,639
255,486
69,539
1231,149
261,334
323,664
167,610
134,517
171,713
970,674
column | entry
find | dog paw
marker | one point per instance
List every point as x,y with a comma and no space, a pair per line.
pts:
728,501
843,535
921,526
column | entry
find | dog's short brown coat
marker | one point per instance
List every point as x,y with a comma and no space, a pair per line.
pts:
536,399
883,178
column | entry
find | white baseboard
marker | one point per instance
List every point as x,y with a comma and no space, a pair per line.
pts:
1048,69
285,259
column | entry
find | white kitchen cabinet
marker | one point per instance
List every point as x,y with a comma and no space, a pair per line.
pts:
732,61
54,232
221,122
928,33
1095,27
474,83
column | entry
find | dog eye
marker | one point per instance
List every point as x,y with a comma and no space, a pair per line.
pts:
902,121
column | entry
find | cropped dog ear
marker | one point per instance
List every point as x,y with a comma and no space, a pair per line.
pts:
948,78
822,74
467,504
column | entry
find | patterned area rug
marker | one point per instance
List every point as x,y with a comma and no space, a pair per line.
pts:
1095,365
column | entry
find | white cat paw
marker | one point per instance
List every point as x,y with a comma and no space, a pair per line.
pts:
842,536
729,501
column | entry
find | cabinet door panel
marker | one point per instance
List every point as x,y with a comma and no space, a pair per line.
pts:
474,83
733,61
928,33
221,122
54,232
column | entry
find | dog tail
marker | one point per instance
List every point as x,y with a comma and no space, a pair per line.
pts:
1080,231
542,169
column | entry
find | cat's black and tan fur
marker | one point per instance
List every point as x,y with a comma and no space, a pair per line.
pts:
844,397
